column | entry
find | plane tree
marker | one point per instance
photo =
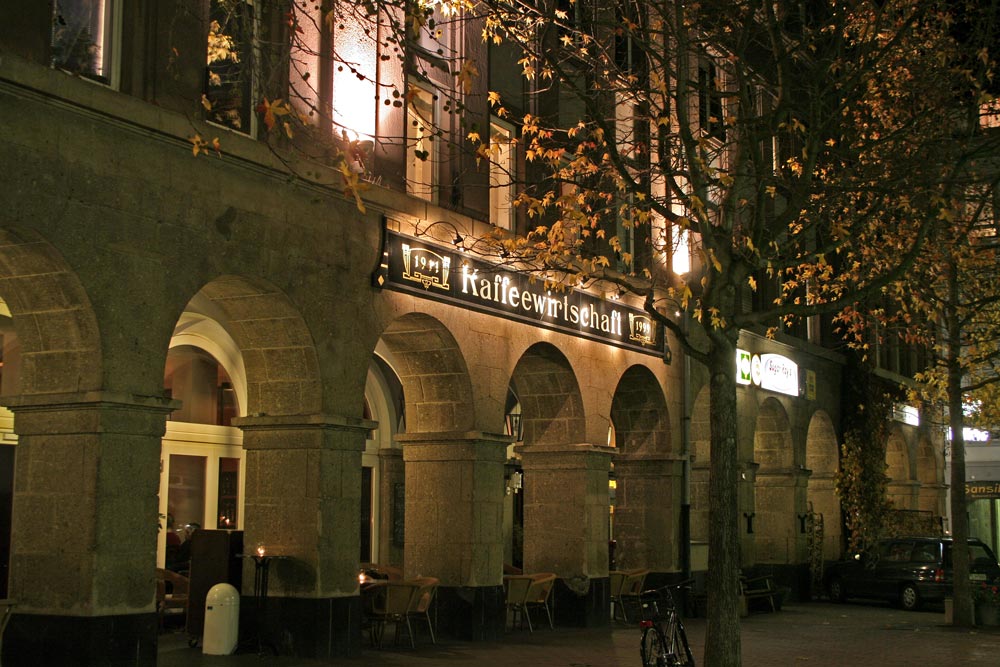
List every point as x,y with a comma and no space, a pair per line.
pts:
802,154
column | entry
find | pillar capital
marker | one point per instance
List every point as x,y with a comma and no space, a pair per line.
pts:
454,446
313,431
90,412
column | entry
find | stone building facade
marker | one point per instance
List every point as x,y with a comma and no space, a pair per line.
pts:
363,419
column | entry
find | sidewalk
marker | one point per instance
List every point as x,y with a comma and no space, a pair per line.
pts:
813,634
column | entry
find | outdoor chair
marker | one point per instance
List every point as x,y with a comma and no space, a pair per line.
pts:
390,603
171,594
632,585
615,580
420,605
526,592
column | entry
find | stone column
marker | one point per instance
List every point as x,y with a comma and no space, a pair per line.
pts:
566,526
454,526
391,475
647,498
303,503
748,519
83,552
780,498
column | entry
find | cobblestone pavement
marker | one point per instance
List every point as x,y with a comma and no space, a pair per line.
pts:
812,635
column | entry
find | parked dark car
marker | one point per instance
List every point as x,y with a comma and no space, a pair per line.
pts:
908,571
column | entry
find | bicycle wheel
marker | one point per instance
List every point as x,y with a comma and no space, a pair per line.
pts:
678,649
653,648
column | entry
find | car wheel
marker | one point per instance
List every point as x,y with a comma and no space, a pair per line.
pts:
909,599
836,590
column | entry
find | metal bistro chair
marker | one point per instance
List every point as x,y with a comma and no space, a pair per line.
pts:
616,578
632,586
390,603
420,604
526,592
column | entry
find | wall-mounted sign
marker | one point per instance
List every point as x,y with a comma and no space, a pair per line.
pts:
768,371
743,367
982,490
906,414
433,272
811,385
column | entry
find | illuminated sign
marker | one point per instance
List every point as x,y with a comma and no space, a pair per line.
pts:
906,414
429,271
768,371
982,490
743,366
970,434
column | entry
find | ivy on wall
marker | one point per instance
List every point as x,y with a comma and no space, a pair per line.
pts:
862,482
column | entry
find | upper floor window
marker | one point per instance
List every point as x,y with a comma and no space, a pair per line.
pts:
501,175
229,70
710,102
83,38
421,149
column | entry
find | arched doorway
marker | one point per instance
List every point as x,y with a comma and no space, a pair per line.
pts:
822,460
202,462
898,468
453,477
648,475
779,493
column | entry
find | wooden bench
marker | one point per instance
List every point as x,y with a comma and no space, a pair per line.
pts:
758,588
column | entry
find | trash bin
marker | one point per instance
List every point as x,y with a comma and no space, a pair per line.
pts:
222,620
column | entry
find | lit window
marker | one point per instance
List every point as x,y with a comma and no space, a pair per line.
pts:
203,386
82,38
229,70
501,176
681,256
420,148
227,507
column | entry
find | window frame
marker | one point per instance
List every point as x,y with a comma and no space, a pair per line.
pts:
111,44
503,166
417,168
249,88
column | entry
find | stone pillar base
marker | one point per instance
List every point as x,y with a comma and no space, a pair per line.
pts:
320,628
123,640
589,610
472,613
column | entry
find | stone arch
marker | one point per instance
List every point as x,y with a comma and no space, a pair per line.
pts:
207,450
772,442
639,414
778,493
823,462
432,369
384,457
551,403
649,478
931,477
452,473
565,477
279,354
52,317
899,469
701,441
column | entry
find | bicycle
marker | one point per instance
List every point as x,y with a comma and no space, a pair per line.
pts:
664,642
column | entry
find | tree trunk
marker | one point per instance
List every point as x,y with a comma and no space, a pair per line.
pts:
962,594
722,635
